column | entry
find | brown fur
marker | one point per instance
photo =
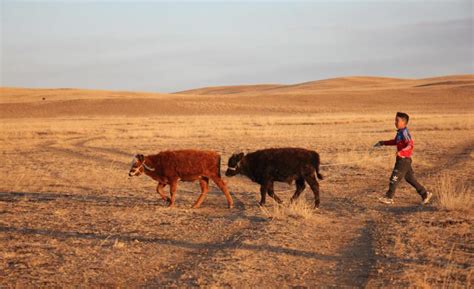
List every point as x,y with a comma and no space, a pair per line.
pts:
168,167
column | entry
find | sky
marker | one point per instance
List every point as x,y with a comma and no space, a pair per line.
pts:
164,46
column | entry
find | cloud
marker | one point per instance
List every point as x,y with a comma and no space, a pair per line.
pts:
171,47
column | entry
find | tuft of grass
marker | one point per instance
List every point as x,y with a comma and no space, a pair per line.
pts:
452,194
297,210
118,245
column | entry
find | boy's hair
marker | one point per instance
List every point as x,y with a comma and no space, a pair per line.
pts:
403,116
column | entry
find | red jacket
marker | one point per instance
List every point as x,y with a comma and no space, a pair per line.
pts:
403,141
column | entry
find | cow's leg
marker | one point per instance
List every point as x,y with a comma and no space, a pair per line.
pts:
173,187
272,194
222,186
299,188
313,183
263,194
263,191
161,192
204,183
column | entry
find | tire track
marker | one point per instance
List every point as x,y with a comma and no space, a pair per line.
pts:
81,155
359,260
391,214
82,144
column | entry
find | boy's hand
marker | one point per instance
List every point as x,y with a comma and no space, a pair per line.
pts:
378,144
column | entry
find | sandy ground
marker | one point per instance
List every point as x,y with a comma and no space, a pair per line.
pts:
70,215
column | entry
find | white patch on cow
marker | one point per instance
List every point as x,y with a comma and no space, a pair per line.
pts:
147,167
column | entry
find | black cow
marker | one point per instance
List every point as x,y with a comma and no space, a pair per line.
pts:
278,165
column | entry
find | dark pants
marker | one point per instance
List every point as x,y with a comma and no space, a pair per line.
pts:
402,170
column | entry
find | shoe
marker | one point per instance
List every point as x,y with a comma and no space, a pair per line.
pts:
386,200
426,198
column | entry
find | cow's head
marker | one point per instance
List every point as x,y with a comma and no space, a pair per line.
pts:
233,165
136,168
139,166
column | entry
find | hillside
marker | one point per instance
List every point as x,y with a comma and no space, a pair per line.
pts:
449,93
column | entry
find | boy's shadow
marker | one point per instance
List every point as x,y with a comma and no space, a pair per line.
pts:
409,209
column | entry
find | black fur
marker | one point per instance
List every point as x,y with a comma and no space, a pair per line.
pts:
279,165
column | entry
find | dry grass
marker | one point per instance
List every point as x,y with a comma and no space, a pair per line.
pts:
453,194
70,215
297,210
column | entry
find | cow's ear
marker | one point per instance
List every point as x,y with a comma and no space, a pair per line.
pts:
140,157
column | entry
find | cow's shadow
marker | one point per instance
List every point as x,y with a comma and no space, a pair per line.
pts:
416,208
101,200
131,237
131,201
238,212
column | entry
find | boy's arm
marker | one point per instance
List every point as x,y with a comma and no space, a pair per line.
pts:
391,142
380,143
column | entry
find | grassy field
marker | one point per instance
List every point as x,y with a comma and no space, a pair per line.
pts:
71,216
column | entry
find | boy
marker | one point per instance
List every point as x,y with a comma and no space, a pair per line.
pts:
402,168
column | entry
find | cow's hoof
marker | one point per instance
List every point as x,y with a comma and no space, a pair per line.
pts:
230,206
261,204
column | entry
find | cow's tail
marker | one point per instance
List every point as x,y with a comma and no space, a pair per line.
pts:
316,162
219,166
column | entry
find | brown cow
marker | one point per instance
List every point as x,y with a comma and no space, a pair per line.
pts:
168,167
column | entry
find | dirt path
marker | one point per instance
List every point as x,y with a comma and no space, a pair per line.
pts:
406,253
